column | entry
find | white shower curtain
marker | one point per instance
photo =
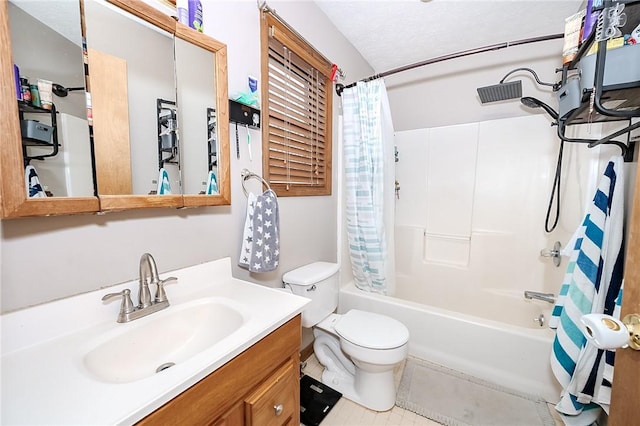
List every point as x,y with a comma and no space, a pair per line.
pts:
369,178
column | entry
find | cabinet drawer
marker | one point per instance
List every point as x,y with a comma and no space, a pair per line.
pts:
276,401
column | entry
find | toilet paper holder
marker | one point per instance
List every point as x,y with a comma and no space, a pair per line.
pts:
607,332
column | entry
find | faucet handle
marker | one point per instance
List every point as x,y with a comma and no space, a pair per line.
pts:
161,296
126,307
553,253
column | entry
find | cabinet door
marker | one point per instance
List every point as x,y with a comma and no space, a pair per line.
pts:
233,417
276,401
126,88
69,195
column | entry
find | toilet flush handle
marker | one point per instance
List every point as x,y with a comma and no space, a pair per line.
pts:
312,288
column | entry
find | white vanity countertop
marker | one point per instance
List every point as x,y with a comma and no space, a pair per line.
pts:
45,381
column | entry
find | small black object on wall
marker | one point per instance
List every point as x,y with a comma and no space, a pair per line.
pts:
244,114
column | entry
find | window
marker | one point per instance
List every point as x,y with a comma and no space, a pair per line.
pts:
296,110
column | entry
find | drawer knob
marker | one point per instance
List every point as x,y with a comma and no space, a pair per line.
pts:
278,409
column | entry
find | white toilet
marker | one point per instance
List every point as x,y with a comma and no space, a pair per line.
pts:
359,349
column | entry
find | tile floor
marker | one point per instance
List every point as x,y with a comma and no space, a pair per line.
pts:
347,413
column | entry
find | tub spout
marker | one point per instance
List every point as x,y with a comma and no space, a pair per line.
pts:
545,297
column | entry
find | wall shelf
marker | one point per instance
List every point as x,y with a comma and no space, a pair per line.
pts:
26,108
167,118
212,144
607,87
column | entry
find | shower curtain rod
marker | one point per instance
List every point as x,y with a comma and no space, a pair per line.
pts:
341,87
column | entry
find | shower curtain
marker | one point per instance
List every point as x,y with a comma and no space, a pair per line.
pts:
369,179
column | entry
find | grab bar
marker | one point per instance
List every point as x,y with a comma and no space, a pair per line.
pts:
545,297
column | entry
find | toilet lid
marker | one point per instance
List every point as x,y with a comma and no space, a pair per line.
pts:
371,330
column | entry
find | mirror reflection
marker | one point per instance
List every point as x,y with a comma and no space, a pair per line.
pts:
133,97
47,52
195,80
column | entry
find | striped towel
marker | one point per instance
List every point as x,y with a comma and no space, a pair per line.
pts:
592,284
32,183
164,187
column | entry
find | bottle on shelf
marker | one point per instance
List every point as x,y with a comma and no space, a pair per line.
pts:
35,96
26,90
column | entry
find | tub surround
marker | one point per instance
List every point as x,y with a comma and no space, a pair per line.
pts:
43,349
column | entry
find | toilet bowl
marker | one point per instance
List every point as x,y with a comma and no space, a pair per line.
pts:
358,350
360,364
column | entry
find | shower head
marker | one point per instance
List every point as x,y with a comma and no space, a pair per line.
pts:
530,102
500,92
62,91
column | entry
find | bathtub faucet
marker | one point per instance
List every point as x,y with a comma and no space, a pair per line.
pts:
546,297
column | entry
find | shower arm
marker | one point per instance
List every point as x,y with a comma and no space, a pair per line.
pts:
555,86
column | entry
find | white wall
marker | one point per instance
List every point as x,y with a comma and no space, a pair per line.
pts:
445,93
47,258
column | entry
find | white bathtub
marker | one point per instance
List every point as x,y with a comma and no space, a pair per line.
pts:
515,356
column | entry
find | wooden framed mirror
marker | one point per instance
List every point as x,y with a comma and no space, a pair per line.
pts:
201,80
132,84
196,99
43,52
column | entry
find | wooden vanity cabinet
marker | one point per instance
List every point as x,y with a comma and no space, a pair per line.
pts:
259,387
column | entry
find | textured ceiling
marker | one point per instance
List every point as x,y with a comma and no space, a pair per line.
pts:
393,33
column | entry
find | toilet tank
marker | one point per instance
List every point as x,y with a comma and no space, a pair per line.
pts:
317,281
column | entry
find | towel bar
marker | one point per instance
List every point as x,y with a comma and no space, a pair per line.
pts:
246,174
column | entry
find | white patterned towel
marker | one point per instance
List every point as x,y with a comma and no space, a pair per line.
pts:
260,250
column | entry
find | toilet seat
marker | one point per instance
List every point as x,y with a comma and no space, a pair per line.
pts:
370,330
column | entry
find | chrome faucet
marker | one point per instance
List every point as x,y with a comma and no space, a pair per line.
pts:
148,275
545,297
146,306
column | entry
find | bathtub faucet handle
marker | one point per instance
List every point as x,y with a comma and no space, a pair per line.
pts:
553,253
539,320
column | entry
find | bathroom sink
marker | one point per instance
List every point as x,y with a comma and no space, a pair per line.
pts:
138,350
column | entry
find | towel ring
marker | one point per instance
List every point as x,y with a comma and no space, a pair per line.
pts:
246,174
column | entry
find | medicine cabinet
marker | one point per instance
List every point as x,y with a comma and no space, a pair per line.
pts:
127,139
71,187
203,114
130,67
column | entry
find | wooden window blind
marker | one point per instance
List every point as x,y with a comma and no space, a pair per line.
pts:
296,105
